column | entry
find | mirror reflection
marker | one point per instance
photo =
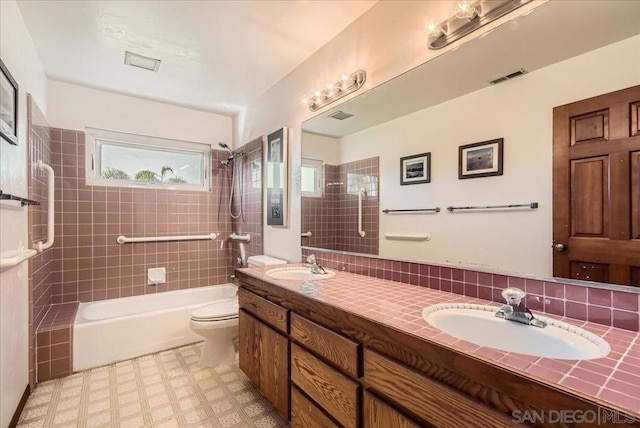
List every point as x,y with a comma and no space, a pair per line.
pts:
568,52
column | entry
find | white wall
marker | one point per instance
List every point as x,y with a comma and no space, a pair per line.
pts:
383,42
77,107
20,57
520,111
320,147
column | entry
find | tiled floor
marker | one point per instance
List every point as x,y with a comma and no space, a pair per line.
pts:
167,389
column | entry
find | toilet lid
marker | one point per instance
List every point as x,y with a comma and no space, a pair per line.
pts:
221,310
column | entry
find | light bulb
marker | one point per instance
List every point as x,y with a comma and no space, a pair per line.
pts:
465,9
435,30
304,100
329,86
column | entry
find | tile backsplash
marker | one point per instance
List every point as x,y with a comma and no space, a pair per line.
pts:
608,307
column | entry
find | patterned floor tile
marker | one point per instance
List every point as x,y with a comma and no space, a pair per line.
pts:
163,390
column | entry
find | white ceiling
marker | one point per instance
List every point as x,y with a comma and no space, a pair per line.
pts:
216,55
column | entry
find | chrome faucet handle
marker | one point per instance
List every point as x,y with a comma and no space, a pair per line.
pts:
311,259
513,296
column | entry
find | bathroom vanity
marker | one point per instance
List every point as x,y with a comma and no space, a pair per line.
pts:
354,351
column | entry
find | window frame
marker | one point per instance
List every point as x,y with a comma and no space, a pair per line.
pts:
93,165
319,185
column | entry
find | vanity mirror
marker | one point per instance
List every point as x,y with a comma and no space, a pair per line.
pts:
560,53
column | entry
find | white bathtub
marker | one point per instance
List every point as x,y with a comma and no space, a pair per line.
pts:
119,329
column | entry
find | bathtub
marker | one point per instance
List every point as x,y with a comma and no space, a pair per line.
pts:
113,330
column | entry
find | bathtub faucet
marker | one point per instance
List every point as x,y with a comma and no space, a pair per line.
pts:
515,310
314,266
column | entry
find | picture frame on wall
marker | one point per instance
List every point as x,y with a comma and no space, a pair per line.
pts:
276,206
483,159
8,106
415,169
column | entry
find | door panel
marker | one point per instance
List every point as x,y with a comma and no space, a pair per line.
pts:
590,271
596,188
635,195
635,118
589,197
590,127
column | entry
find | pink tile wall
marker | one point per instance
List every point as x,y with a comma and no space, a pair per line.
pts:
94,267
43,269
608,307
333,219
250,168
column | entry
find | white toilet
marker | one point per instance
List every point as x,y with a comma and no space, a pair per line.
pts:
218,323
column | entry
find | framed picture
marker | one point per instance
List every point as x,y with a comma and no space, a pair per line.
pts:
276,178
8,106
415,169
482,159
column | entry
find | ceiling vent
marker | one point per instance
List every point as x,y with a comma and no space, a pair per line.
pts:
509,76
140,61
340,115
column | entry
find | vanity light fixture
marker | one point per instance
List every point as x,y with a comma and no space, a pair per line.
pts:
141,61
468,16
332,92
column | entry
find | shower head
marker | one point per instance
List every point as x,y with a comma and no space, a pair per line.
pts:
226,147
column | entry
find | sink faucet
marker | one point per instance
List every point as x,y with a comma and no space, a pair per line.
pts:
515,310
314,266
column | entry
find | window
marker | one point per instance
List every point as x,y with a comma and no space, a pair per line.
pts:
311,178
129,160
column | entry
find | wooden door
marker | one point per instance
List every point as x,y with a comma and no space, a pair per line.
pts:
264,358
596,188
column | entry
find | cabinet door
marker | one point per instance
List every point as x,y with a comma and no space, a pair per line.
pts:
379,415
264,358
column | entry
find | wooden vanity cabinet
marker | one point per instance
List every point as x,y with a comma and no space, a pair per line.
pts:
432,402
264,351
327,367
378,414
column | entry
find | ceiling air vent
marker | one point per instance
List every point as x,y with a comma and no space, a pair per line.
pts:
509,76
340,115
140,61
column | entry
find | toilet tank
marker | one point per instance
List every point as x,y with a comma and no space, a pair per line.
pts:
254,261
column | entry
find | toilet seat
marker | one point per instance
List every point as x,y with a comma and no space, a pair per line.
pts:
217,311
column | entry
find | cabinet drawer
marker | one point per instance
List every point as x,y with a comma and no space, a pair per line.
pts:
263,309
339,350
379,415
334,392
437,404
305,414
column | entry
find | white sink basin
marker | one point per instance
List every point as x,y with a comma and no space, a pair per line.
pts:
298,274
479,325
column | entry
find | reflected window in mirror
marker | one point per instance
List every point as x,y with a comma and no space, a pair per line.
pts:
311,178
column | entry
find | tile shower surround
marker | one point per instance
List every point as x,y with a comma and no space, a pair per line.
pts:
42,267
333,218
251,220
91,266
608,307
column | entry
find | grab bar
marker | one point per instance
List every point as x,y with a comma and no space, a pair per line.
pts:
14,258
235,237
400,237
23,201
435,210
361,194
306,234
40,246
124,240
532,205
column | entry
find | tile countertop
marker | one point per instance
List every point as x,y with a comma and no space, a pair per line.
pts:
614,379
